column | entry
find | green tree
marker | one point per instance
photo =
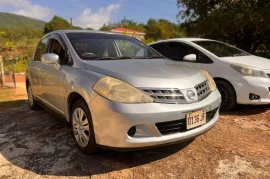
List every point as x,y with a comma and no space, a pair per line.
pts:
157,29
57,23
153,30
89,28
76,28
127,23
245,24
105,27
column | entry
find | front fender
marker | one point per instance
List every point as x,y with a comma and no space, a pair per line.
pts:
81,82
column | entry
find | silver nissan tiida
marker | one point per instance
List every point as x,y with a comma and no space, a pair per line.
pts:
118,92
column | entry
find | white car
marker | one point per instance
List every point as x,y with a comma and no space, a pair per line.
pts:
240,77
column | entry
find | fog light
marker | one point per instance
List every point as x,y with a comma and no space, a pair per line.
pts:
131,132
253,96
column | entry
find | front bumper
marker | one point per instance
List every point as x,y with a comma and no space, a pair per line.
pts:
113,120
254,85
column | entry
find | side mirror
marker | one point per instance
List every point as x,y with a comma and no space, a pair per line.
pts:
190,58
51,58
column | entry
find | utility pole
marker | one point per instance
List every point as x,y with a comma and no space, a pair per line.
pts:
125,22
71,23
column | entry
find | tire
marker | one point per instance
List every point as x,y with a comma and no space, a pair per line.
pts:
228,95
82,127
31,98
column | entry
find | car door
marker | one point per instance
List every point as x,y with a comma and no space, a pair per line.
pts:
35,67
53,80
177,51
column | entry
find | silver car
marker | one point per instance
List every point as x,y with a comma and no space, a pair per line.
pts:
118,92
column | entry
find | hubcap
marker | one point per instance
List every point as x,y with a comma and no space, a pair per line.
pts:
224,96
30,95
81,127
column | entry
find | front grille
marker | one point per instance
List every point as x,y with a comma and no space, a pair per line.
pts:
203,90
171,127
166,95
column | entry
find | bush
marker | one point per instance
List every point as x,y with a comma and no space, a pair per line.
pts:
9,46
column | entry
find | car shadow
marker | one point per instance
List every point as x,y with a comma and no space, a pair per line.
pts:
11,104
245,110
38,142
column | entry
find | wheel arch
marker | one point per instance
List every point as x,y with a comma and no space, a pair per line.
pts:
71,99
227,81
27,82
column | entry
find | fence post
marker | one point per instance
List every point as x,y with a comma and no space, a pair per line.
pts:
2,77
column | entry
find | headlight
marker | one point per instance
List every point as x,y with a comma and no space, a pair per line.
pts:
211,82
249,71
120,91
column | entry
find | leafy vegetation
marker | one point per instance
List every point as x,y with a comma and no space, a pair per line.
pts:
59,23
13,21
155,29
245,24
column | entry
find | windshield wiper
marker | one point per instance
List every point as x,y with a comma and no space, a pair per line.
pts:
112,58
124,57
104,58
150,57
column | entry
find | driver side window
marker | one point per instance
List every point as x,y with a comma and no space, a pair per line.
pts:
57,48
201,57
177,51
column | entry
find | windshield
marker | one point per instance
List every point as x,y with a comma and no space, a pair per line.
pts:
99,46
221,49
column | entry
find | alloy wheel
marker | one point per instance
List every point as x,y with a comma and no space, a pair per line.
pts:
80,127
224,96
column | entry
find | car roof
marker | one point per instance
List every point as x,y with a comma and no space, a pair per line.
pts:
181,40
80,31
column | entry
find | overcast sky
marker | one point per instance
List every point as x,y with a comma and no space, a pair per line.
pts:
93,13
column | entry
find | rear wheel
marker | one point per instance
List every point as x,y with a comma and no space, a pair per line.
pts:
31,99
228,95
82,127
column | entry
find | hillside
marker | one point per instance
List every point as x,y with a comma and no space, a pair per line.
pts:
8,20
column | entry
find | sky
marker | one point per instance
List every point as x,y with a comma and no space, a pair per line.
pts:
93,13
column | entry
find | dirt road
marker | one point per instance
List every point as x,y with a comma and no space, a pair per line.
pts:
34,144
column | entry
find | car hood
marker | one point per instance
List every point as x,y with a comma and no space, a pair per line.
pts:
149,72
254,61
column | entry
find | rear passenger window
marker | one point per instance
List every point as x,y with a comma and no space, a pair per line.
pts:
41,49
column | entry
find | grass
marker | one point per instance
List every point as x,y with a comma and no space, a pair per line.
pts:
6,94
11,98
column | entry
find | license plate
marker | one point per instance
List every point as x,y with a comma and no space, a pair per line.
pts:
196,119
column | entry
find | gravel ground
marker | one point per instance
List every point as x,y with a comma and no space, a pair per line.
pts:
34,144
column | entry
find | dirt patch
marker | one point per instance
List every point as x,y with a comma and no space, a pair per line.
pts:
35,144
239,167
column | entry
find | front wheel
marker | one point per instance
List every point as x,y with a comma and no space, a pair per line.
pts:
228,95
31,99
82,127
